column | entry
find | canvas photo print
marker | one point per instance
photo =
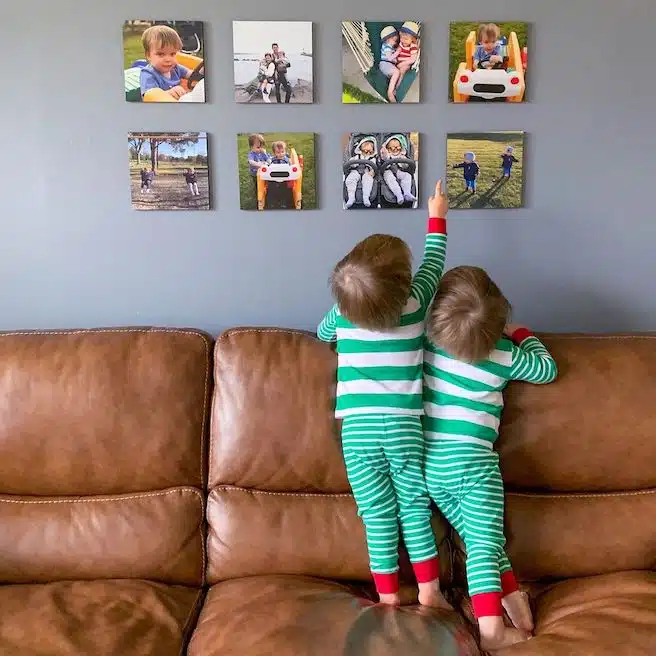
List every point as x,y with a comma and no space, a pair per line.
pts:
380,170
485,170
277,171
273,62
163,61
488,61
380,61
169,171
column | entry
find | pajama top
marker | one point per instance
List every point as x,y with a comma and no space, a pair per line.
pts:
381,372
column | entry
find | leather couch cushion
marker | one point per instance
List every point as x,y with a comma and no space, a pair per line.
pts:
256,533
298,616
156,535
593,429
561,536
273,424
102,411
611,615
96,618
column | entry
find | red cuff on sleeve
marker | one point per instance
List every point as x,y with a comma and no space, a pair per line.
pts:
520,335
437,225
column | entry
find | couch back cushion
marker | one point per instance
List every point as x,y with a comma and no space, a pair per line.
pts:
102,435
577,458
280,501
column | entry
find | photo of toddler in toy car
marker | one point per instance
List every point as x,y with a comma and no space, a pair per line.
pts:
494,67
278,177
168,73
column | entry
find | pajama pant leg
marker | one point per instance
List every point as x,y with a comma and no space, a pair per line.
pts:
403,445
368,473
465,483
394,186
351,184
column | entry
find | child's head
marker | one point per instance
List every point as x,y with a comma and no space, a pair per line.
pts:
367,147
509,150
268,57
470,157
279,148
372,283
395,147
488,35
161,44
256,142
409,32
468,314
390,36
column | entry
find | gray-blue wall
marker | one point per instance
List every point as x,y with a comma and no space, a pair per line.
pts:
73,253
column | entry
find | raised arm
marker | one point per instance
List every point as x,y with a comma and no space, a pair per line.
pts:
326,330
424,283
531,362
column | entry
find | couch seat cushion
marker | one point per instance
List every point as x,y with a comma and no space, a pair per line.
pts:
609,615
302,616
98,618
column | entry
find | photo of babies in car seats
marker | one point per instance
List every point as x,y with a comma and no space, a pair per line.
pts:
380,170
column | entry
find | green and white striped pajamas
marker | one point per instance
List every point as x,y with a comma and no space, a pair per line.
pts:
463,404
379,398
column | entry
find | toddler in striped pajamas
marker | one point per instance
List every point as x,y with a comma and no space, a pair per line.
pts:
378,324
470,355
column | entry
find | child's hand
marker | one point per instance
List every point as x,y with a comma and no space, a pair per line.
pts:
511,328
438,205
495,59
177,92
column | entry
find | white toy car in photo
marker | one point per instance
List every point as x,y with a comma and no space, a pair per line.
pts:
280,172
489,83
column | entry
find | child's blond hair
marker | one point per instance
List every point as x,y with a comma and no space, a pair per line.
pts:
468,314
160,36
490,31
278,145
254,139
372,283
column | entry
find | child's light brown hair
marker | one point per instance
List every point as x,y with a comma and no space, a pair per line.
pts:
160,36
254,139
468,314
278,145
488,32
372,283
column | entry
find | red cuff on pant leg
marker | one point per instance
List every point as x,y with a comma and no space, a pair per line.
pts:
487,604
386,583
427,570
509,583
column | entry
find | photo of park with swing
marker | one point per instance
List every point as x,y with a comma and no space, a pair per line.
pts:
169,171
488,62
485,170
163,61
380,61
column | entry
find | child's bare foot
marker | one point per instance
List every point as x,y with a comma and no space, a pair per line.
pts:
495,635
391,96
390,599
519,610
430,595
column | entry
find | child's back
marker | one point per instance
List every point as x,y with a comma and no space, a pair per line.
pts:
467,364
377,323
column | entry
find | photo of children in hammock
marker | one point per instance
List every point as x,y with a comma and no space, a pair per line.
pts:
380,61
273,62
485,170
169,171
380,170
163,61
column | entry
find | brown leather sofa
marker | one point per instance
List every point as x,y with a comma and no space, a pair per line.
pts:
116,444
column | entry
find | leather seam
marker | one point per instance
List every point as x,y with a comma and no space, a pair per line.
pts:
186,625
245,331
584,495
97,331
307,495
104,499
